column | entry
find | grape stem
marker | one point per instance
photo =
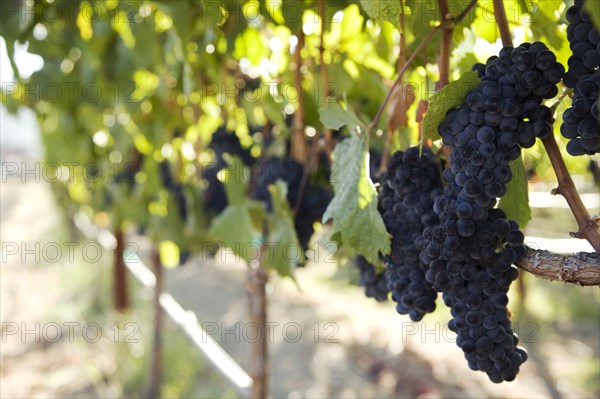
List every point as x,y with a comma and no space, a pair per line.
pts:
121,294
443,24
445,50
588,229
565,93
580,268
156,362
313,156
256,281
399,77
502,21
444,65
399,64
324,79
298,141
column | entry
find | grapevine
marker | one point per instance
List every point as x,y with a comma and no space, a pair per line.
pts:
223,129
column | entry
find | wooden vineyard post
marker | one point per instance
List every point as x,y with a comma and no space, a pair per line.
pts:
156,356
121,294
257,302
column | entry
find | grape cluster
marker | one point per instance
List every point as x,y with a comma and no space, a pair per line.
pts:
314,202
223,141
507,103
272,169
215,197
315,198
580,122
471,252
376,285
474,273
408,190
584,40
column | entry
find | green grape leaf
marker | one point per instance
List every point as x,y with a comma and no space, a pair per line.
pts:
354,206
449,97
236,225
235,183
234,228
292,11
333,116
351,23
457,7
483,26
421,14
284,251
387,10
181,14
516,201
542,21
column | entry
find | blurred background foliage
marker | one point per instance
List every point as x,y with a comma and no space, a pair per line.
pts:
128,85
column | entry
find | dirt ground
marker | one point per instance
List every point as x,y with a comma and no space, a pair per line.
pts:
328,340
37,359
